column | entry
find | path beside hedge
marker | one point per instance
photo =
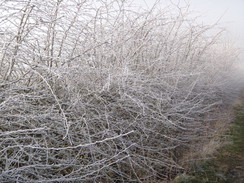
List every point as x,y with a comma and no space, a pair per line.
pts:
227,166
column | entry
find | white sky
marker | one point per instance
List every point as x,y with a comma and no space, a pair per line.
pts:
231,13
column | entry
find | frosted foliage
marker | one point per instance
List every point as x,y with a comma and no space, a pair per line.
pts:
93,91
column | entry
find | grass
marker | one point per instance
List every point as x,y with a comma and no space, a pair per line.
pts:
227,166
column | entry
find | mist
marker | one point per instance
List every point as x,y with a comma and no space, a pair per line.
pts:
101,92
228,14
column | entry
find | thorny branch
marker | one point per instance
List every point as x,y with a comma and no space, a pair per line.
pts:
101,92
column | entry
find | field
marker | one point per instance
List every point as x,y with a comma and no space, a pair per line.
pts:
226,164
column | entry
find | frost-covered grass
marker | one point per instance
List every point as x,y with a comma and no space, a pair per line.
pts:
226,163
100,92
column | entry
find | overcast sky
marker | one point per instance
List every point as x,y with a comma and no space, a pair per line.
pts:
230,11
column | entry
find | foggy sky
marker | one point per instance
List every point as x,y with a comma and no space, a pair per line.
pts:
230,13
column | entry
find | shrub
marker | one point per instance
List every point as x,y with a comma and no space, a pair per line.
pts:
101,92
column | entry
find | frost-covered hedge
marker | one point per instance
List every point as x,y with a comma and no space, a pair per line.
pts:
98,92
